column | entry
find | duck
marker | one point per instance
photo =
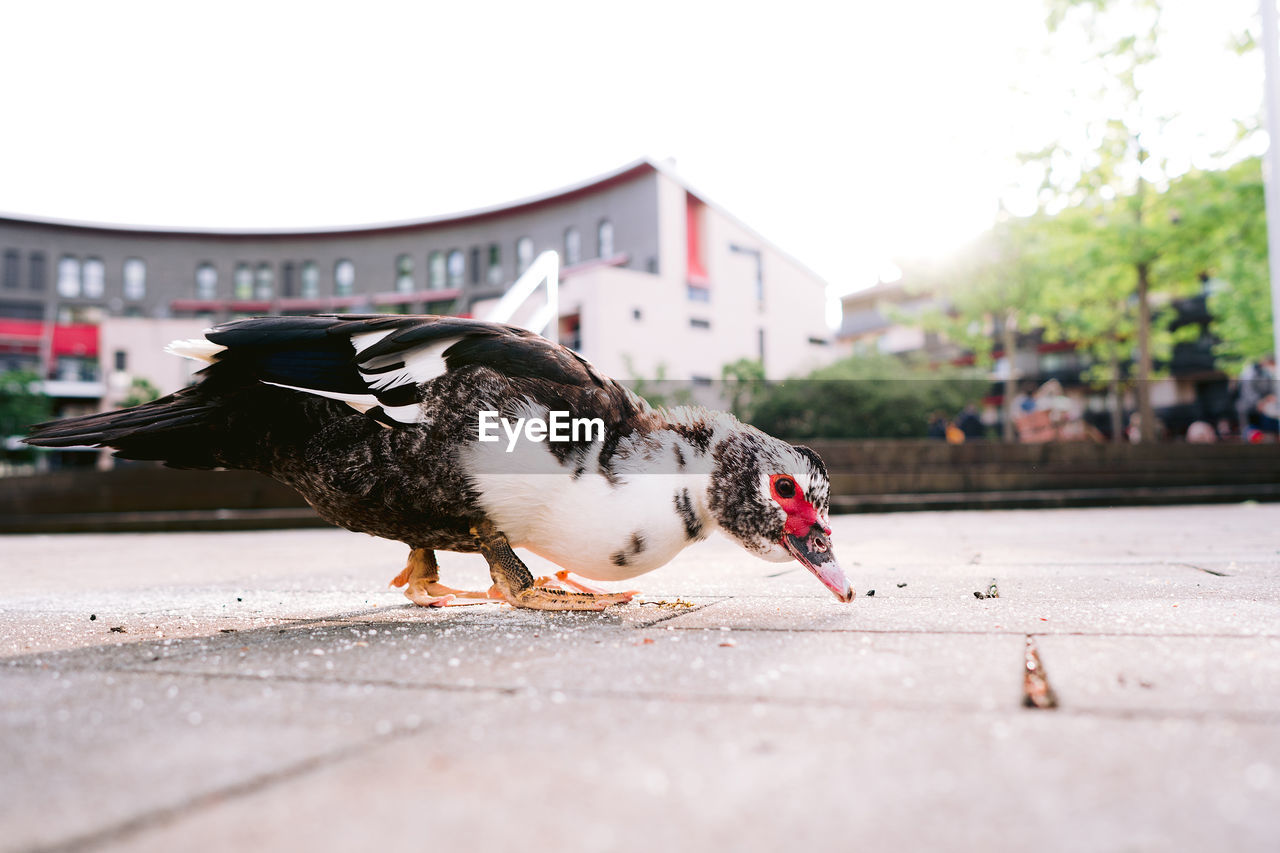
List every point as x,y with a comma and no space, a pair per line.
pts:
455,434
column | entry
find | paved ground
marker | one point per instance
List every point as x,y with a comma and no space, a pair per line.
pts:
265,691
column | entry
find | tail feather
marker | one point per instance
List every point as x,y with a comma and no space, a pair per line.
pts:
174,428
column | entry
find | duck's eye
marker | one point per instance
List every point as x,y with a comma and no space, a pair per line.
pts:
785,487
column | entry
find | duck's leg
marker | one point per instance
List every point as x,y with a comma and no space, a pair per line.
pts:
513,580
564,579
421,580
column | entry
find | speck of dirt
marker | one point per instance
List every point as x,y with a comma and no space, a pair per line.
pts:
119,629
238,598
871,592
901,585
992,592
93,617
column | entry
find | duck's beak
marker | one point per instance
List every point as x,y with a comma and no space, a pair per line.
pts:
813,550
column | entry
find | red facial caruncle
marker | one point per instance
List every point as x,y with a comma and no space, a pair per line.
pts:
801,515
805,536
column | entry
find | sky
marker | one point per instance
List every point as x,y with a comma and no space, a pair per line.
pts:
852,135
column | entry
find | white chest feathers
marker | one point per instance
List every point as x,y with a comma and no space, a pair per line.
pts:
601,527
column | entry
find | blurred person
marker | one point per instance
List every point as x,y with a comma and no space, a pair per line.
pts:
1024,403
1134,431
970,423
938,426
1201,432
1256,405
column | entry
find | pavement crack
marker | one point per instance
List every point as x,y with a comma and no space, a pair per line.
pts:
1213,572
1036,690
682,611
132,826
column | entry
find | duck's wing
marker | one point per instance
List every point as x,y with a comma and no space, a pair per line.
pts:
381,365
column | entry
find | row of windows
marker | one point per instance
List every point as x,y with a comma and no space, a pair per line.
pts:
86,277
445,270
76,278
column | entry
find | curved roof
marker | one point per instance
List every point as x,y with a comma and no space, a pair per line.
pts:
625,173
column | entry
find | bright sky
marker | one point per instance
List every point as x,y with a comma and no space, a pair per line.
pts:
849,134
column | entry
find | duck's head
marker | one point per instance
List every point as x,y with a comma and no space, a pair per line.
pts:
773,498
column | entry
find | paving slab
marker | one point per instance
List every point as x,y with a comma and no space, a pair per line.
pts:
88,750
268,691
592,774
1235,676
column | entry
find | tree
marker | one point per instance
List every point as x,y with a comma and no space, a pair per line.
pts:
140,391
21,403
1114,169
994,285
1223,214
743,381
659,392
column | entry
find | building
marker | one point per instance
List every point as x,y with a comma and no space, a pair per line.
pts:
656,279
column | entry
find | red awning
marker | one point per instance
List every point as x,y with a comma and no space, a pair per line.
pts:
80,339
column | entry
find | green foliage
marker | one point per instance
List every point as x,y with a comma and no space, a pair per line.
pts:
998,278
660,392
20,405
140,391
1223,214
862,397
743,380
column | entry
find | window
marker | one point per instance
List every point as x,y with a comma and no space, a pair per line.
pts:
697,293
243,281
404,274
36,270
572,247
699,323
475,264
524,255
68,277
637,314
435,271
94,278
206,281
310,280
457,268
495,264
287,283
264,282
12,261
604,239
135,278
122,360
344,277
